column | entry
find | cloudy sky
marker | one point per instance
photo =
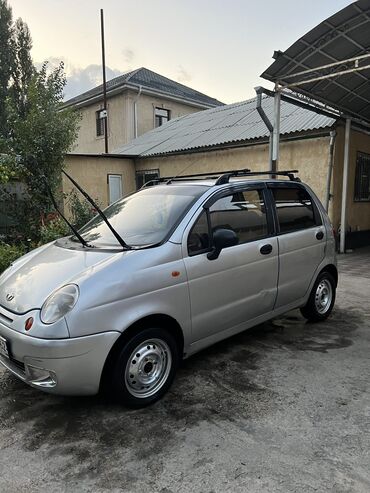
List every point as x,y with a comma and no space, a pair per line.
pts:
218,47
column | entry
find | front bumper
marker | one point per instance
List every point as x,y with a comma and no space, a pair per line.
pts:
59,366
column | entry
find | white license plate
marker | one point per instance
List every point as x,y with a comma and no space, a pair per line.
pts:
4,347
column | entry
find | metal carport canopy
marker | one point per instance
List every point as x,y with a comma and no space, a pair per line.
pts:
331,63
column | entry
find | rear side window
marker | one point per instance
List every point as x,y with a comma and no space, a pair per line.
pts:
294,208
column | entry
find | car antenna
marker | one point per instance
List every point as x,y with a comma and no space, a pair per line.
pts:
75,232
99,211
168,182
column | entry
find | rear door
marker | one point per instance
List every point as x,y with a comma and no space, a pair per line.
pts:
241,283
301,238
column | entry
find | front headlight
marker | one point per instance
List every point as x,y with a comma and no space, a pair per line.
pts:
59,303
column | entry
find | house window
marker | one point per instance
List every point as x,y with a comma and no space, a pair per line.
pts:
114,188
161,116
100,127
146,175
362,178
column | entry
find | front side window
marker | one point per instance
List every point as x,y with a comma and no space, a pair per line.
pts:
143,218
161,116
198,239
362,178
242,212
294,209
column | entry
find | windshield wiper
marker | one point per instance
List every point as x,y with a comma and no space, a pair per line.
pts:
73,229
99,211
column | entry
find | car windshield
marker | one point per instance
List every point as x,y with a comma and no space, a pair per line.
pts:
143,218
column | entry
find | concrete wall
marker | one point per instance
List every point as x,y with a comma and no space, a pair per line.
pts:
87,141
121,127
309,156
358,213
92,174
145,110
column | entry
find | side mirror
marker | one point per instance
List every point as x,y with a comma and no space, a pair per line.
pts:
222,238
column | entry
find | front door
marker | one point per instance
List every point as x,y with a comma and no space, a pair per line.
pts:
114,188
241,283
302,241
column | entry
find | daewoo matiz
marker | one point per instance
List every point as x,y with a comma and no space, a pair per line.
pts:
160,275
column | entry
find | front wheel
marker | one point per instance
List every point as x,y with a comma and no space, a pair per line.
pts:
322,298
145,368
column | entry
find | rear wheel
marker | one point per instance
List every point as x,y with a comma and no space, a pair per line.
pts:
145,368
322,298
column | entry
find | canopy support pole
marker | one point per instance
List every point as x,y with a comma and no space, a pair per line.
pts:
333,134
343,219
276,131
259,90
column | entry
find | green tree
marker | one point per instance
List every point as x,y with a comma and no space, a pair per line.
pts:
22,66
8,168
40,139
6,61
35,133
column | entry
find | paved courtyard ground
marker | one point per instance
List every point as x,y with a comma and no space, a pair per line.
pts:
284,407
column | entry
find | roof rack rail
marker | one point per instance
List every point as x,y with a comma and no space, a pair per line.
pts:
202,176
194,176
224,178
221,177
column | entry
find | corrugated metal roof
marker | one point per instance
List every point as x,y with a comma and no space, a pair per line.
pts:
151,80
344,35
223,125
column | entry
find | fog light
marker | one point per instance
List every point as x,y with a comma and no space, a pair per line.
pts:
40,377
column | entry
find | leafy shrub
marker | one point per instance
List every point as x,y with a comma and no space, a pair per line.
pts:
53,228
9,253
81,211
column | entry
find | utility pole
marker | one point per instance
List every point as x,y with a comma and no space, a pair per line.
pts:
104,112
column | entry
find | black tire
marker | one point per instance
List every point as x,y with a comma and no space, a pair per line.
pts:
155,360
311,310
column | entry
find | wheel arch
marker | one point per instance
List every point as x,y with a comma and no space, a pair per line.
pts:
332,269
156,320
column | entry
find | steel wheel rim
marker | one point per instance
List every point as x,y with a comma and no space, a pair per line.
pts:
148,368
323,296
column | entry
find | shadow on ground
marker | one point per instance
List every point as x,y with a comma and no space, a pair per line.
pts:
218,384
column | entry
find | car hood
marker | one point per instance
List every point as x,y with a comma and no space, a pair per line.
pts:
33,277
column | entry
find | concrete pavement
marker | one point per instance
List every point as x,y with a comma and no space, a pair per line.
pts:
284,407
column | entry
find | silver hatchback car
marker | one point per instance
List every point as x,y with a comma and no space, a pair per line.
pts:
201,259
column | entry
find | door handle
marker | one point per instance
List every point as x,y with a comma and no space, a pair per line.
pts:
266,249
319,235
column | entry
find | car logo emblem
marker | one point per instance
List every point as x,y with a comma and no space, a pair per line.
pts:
9,297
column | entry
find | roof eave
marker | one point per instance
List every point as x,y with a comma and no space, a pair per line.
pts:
100,155
144,90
